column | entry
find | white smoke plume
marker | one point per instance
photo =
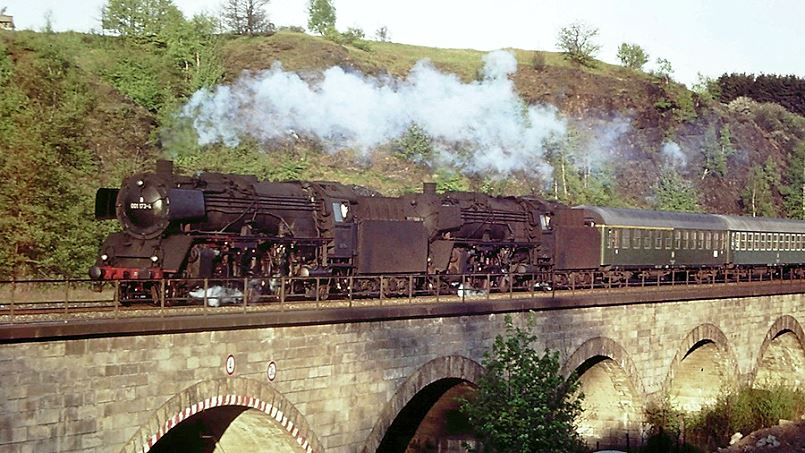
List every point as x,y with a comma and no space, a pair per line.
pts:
673,155
485,119
603,145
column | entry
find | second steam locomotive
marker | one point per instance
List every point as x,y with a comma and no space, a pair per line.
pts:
319,236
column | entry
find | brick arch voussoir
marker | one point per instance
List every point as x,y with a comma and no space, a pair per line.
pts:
785,323
702,332
447,367
606,347
219,393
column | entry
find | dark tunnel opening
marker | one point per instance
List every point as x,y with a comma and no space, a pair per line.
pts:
407,424
199,433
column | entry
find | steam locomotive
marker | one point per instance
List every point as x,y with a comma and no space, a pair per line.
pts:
321,235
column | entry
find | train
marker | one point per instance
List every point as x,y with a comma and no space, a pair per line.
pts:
314,238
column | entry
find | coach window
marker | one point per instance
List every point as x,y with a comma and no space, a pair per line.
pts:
677,239
647,239
627,238
700,241
764,242
708,241
658,239
636,239
775,242
686,235
614,239
751,238
788,242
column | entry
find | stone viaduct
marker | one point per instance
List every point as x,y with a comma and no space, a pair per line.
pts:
375,378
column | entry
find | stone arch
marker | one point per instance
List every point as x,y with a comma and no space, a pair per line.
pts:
785,328
705,344
453,367
605,347
614,394
219,393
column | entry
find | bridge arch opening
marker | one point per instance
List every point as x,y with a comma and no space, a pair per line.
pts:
781,360
613,401
423,414
703,367
228,414
228,428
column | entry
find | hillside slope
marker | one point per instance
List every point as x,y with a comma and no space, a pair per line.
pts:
79,111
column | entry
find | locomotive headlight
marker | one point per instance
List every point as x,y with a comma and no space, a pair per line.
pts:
154,259
140,183
104,257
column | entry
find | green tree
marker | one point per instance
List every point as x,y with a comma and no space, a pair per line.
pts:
138,18
193,46
664,70
706,87
576,41
415,144
321,16
757,196
523,403
716,151
632,56
673,193
794,191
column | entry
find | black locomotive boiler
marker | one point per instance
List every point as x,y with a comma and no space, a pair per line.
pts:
179,229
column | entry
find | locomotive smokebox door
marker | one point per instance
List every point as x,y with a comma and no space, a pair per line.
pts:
392,246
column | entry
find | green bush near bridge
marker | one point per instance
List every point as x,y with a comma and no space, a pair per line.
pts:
742,410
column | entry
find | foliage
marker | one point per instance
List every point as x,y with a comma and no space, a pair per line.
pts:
632,56
741,410
382,34
706,88
577,43
321,16
757,196
193,47
137,80
45,164
450,181
663,69
523,402
138,18
354,36
292,28
415,145
716,151
784,90
246,17
673,193
685,109
794,190
538,61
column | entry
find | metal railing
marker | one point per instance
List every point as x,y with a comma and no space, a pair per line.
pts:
42,300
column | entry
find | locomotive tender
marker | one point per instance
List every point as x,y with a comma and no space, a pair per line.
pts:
322,235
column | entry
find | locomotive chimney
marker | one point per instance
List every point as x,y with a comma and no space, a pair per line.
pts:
165,167
429,188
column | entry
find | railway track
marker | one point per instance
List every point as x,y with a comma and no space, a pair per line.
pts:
65,301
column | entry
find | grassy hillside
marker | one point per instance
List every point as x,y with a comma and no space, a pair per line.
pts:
80,111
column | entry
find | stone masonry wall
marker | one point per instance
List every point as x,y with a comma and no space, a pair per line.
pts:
95,394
